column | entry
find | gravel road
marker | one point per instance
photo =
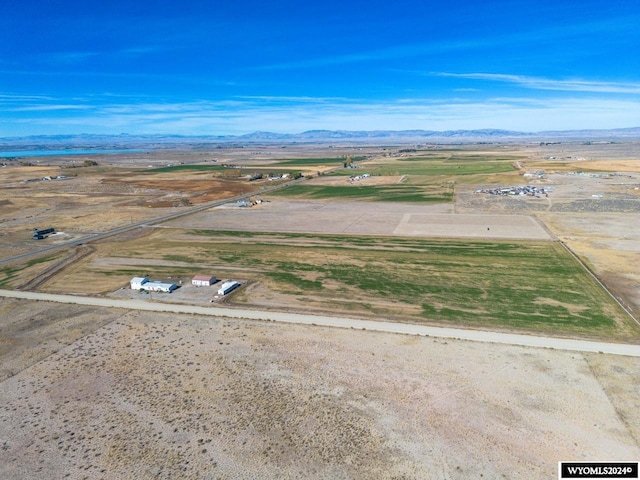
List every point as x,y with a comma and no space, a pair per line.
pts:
341,322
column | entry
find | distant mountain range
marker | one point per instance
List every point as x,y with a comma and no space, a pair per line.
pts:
313,136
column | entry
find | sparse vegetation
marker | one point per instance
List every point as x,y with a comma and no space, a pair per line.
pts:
382,193
95,392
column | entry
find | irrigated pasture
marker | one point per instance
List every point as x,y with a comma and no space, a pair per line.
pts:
380,193
531,286
439,164
424,177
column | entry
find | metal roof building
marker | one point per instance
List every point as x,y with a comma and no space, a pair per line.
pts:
137,282
159,287
203,280
226,287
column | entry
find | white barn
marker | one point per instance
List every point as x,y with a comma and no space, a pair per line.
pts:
137,282
203,280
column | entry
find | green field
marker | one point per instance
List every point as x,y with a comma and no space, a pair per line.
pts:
381,193
450,166
531,286
309,162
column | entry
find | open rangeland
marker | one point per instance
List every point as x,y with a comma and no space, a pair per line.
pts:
96,392
153,395
96,201
81,195
316,254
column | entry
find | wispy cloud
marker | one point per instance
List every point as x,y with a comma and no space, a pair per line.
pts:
19,98
396,52
540,83
294,114
139,51
68,58
625,26
288,99
50,108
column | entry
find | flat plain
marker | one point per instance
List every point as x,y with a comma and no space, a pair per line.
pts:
102,393
165,396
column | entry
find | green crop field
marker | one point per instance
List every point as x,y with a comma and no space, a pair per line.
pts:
380,193
529,286
450,166
307,162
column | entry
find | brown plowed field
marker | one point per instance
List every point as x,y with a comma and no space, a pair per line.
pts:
197,189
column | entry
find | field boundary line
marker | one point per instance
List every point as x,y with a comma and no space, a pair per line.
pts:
556,343
595,277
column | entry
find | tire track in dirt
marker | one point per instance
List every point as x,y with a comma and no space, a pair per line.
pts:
78,254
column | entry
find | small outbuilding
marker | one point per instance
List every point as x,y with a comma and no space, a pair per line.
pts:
226,287
137,282
203,280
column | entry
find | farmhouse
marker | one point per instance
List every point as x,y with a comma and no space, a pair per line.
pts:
138,282
203,280
143,283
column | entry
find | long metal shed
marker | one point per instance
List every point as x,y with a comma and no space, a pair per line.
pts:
226,287
159,287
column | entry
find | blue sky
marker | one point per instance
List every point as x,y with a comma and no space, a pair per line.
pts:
234,67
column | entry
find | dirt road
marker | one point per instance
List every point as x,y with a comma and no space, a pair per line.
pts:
349,323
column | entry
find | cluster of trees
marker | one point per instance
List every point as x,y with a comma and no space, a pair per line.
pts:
183,202
86,163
